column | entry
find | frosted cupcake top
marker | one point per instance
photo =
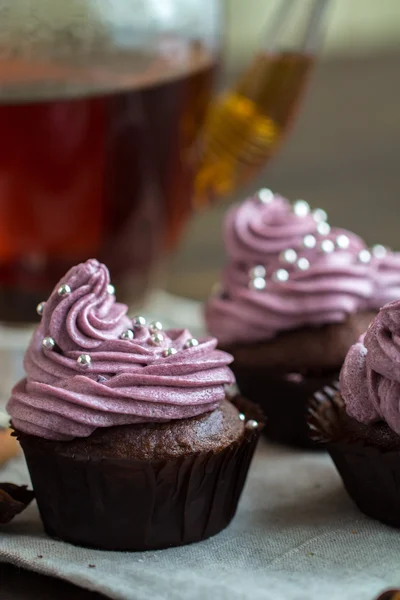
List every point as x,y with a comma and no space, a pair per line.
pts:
370,377
88,365
287,268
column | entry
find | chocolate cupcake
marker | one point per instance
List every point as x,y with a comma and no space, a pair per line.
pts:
295,295
360,425
129,438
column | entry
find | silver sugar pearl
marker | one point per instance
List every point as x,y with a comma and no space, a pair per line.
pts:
138,321
342,241
309,241
251,424
157,339
319,214
191,343
265,196
84,360
303,264
127,335
40,308
364,256
288,256
323,228
111,289
48,343
64,290
169,352
281,275
231,390
379,251
327,246
242,417
257,271
301,208
258,283
155,326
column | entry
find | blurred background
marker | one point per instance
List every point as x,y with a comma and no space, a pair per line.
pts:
343,152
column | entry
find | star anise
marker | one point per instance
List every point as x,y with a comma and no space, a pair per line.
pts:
13,500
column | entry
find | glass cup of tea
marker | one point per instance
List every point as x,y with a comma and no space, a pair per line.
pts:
109,137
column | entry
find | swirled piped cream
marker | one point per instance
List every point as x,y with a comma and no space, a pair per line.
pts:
287,268
370,376
88,365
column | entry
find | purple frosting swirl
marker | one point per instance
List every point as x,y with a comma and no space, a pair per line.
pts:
333,285
128,380
386,274
254,230
330,273
370,377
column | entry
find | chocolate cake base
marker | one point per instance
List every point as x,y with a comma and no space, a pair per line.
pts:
366,456
284,399
169,498
283,373
209,432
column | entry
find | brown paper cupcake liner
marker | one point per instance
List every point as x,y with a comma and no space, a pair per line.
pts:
323,413
284,399
371,475
118,504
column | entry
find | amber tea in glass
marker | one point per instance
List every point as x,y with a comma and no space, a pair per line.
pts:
109,136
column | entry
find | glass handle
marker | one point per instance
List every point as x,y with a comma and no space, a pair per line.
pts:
296,24
278,20
315,28
246,124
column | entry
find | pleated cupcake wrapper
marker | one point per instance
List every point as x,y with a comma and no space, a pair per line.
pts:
370,475
323,413
132,504
284,402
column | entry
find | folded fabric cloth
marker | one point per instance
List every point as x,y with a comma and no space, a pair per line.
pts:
296,536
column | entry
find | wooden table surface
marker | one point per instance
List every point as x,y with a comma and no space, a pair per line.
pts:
343,156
